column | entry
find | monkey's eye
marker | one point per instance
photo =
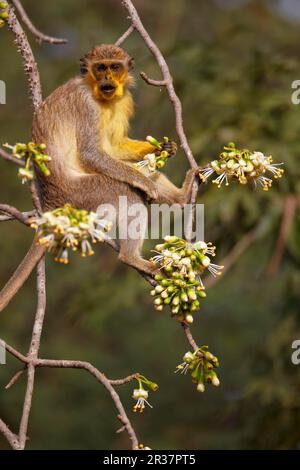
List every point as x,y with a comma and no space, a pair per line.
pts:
116,67
101,67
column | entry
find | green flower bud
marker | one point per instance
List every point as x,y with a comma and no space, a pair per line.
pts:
160,164
171,239
153,141
160,247
2,23
158,277
192,294
176,300
184,297
4,15
168,269
164,294
159,289
189,319
205,261
188,357
215,381
202,294
3,5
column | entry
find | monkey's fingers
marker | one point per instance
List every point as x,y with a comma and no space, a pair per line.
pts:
170,147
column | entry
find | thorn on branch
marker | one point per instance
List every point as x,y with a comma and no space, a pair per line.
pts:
40,37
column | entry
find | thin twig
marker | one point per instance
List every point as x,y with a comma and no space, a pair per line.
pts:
123,38
15,378
40,37
152,82
189,336
138,25
13,213
27,216
289,208
10,158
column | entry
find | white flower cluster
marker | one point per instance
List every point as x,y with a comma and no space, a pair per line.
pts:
69,228
156,160
180,284
201,364
242,166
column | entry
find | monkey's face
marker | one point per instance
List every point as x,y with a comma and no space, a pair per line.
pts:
107,70
111,76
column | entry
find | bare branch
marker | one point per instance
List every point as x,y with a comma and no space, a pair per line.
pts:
138,25
152,82
10,158
40,37
26,215
10,436
123,38
189,336
15,378
13,213
30,65
289,209
23,271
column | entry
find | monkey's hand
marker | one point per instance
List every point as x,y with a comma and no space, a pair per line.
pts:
168,146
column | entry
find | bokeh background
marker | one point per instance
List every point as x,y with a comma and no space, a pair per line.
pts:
233,63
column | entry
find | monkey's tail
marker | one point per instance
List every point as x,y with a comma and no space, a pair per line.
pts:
21,274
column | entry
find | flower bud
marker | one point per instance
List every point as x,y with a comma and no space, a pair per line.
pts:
159,289
164,294
189,319
188,357
171,238
200,245
200,388
153,141
215,381
205,261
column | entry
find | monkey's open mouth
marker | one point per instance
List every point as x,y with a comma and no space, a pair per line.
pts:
107,88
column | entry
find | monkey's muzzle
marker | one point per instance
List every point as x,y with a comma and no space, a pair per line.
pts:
107,88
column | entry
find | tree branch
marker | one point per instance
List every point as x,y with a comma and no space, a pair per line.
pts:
30,65
40,37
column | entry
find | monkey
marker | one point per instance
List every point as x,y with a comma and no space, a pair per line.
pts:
84,124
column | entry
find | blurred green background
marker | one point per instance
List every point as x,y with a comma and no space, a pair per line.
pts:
233,63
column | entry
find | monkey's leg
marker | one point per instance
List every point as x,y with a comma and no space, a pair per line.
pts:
169,193
132,231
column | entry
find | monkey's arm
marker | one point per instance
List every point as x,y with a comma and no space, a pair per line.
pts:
93,160
134,150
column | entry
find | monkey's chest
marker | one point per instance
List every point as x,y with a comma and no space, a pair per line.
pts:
113,127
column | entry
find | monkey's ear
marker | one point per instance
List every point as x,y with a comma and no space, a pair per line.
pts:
83,65
131,64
